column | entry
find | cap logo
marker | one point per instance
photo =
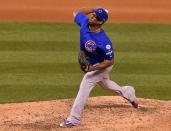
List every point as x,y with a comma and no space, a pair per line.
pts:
100,11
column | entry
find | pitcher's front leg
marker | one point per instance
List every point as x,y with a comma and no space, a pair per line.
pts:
86,86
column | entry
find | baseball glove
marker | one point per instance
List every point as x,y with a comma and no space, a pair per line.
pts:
83,61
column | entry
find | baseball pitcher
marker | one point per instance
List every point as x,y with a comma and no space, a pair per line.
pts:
96,58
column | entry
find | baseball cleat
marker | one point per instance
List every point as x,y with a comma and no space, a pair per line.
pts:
134,104
67,123
129,95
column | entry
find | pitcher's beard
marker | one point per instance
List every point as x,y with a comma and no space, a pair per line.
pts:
91,24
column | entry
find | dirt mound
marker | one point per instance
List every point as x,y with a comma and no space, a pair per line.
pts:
111,113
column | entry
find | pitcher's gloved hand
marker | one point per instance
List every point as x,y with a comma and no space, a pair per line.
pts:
83,61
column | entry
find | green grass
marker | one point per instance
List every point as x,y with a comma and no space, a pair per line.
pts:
38,61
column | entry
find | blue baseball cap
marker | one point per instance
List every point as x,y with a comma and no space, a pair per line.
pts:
102,14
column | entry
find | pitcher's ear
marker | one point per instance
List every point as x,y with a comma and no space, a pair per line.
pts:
101,22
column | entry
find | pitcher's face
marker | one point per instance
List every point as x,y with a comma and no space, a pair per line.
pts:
93,20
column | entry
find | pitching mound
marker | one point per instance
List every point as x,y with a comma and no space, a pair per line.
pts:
101,113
